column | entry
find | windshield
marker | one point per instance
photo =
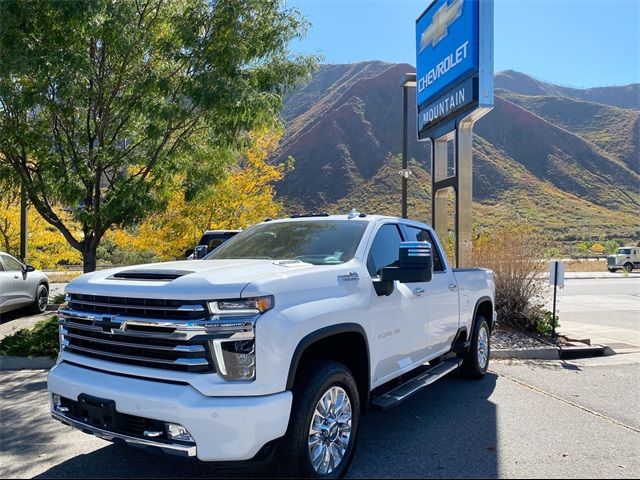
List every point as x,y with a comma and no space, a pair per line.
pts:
624,251
320,242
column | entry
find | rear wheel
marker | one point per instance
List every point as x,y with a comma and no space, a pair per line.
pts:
42,299
320,440
628,267
475,361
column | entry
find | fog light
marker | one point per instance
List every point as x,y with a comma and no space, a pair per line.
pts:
176,431
57,404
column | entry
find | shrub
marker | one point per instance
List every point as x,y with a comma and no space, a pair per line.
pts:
40,340
514,253
57,299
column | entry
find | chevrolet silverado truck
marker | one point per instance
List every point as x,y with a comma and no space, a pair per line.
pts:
275,344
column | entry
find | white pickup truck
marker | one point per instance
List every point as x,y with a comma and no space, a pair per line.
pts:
276,342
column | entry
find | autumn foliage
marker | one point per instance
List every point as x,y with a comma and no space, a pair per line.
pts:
244,196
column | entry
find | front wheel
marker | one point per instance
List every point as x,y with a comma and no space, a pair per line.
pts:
42,299
628,267
475,361
320,440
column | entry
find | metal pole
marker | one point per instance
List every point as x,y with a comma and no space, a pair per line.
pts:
405,147
464,193
555,289
23,223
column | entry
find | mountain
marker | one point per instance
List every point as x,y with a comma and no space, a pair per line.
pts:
565,158
627,96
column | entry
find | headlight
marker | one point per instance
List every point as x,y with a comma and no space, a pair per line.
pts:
235,356
242,306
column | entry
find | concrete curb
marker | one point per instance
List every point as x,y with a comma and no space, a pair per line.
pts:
550,353
8,362
554,353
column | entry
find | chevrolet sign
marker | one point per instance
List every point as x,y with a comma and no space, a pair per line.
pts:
454,43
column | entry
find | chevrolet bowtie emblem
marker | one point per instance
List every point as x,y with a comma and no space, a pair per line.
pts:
442,19
107,324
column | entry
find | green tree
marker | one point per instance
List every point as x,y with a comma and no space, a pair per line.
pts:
102,101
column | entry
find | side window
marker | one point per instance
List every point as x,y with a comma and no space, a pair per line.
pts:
11,263
385,249
1,266
420,235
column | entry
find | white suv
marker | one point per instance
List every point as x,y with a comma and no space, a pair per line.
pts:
21,286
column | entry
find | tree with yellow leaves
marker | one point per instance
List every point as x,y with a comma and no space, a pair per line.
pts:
46,247
242,197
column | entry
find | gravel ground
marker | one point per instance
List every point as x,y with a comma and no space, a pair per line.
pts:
506,338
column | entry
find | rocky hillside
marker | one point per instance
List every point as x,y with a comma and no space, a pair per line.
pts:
565,158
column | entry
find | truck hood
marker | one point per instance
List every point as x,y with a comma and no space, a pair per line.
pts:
187,279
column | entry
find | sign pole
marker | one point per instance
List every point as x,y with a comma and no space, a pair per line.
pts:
555,290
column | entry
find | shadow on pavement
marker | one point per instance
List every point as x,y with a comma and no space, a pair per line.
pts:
448,430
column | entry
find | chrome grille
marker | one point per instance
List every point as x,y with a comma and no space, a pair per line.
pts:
121,330
139,307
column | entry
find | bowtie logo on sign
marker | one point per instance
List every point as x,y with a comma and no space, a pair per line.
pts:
445,16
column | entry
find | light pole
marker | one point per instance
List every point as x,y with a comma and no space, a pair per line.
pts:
408,82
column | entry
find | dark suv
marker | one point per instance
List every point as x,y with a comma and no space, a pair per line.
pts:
210,240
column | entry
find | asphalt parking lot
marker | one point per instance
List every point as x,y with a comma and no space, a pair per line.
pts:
524,419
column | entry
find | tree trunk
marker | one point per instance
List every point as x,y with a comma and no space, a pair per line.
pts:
89,257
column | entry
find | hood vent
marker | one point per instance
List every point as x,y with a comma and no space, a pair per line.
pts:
154,275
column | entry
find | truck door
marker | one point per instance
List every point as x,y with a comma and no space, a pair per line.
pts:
441,295
398,320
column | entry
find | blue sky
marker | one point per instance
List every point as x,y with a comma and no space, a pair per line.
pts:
581,43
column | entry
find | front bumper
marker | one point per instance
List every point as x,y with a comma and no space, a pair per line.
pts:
224,428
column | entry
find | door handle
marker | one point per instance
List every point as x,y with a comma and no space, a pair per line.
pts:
418,291
453,286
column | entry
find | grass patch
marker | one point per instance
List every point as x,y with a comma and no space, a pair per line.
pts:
62,277
40,340
599,265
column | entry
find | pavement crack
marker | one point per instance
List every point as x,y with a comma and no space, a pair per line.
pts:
568,402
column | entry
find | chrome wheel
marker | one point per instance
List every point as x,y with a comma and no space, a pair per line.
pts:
483,347
330,430
43,299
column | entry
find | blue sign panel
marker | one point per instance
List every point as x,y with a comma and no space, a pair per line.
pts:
447,38
461,98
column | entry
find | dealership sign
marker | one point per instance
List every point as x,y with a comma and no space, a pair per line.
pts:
454,45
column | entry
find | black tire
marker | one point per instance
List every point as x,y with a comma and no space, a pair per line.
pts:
613,270
471,366
628,267
41,301
312,382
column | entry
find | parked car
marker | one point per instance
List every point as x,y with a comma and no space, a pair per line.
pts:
22,286
626,258
210,240
278,341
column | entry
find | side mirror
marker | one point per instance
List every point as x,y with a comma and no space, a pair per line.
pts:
200,252
28,268
414,264
188,252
